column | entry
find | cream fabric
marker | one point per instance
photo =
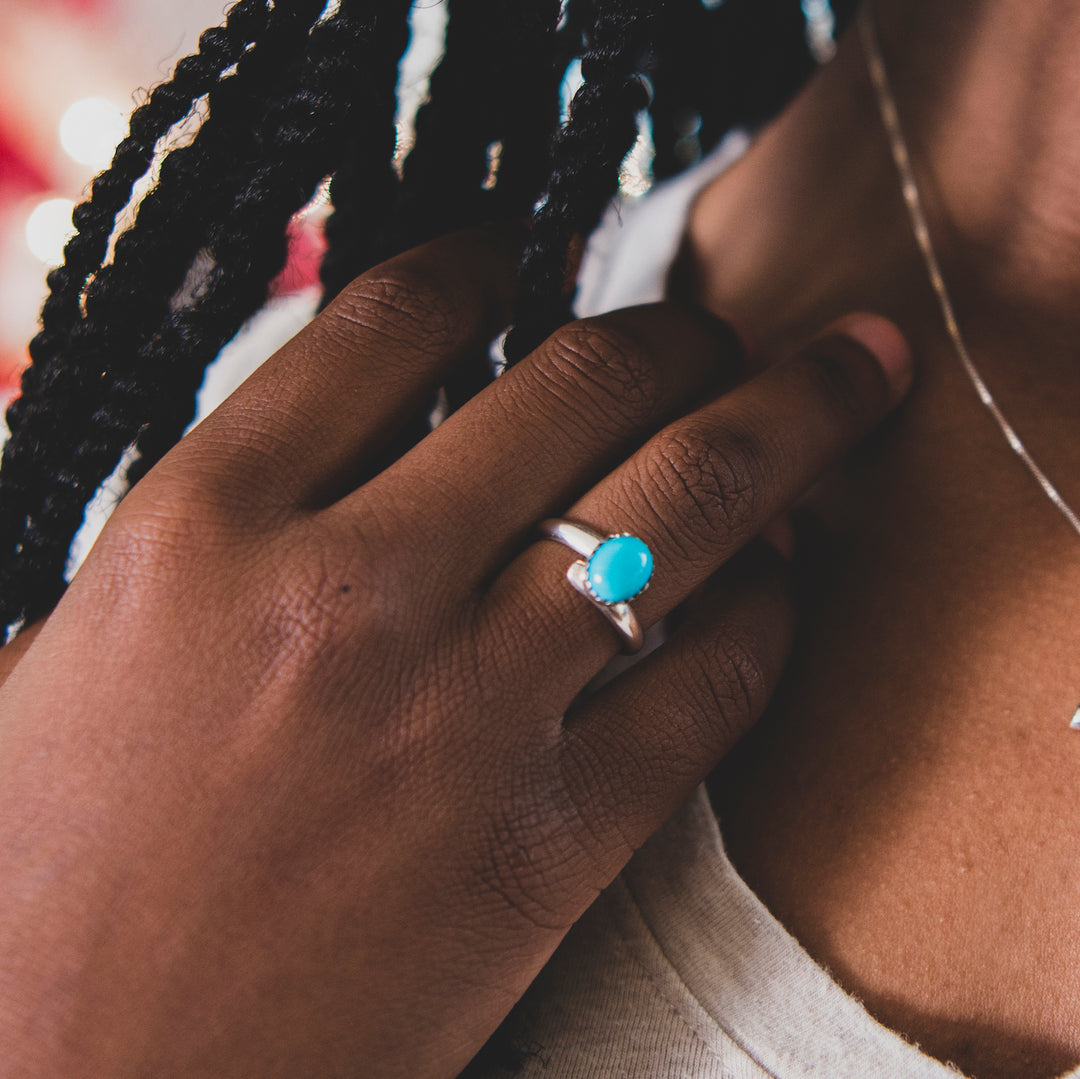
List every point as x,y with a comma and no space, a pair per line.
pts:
679,972
629,255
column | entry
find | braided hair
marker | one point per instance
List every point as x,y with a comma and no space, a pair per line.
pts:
289,93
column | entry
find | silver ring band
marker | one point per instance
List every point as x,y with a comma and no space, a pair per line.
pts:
586,541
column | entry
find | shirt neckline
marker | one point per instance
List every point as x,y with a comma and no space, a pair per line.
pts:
751,977
747,972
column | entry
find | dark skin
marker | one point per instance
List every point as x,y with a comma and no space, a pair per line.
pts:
297,774
908,807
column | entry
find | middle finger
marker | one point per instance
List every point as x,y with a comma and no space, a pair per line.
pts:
549,428
699,490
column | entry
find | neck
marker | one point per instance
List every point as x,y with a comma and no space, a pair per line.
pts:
923,730
989,98
991,93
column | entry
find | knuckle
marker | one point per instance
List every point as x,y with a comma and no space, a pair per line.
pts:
616,371
156,554
850,384
149,545
406,303
162,527
612,780
733,682
714,485
533,853
212,475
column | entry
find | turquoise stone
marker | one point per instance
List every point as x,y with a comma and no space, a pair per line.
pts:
619,569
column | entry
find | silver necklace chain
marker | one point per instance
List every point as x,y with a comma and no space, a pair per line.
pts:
913,200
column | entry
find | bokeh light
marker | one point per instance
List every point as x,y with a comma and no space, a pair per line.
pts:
90,130
48,229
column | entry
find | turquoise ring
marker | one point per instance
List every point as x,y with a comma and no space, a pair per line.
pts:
612,571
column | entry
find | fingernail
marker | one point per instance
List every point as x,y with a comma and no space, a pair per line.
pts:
881,337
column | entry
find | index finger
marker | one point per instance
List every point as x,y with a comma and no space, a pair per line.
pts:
557,421
308,417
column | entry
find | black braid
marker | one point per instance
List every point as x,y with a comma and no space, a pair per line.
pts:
51,382
442,186
773,32
303,143
297,146
677,98
219,48
199,181
130,297
365,185
588,154
527,110
575,25
702,76
489,43
529,105
453,128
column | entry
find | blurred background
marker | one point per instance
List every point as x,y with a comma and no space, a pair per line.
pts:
70,73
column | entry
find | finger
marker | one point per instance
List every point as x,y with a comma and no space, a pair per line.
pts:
702,488
297,428
635,750
553,424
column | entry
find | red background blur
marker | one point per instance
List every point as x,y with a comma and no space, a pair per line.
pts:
56,54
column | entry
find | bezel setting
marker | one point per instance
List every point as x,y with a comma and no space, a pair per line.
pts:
587,564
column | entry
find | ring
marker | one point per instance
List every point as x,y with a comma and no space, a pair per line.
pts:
612,571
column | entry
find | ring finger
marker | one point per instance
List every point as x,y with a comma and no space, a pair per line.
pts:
699,490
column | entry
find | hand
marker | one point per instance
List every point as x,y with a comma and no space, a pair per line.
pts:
296,780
